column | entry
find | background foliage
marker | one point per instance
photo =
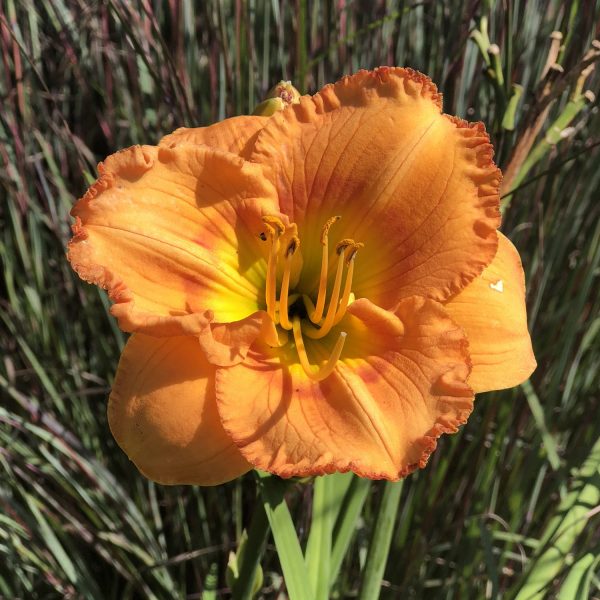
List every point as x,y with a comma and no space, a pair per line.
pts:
80,79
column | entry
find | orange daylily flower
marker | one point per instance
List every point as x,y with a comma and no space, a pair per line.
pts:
322,290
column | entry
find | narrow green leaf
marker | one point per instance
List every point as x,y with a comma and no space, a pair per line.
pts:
248,560
569,521
490,561
538,414
339,483
577,584
286,539
380,541
52,542
318,549
345,525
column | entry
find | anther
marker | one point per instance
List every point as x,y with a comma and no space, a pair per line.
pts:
317,315
356,246
329,366
293,246
341,311
274,222
327,227
284,320
343,244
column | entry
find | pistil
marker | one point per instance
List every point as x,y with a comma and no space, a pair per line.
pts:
329,366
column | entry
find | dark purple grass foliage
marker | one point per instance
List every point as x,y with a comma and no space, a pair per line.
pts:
81,79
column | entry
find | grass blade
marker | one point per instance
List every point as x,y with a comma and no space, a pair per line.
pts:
380,541
569,521
318,549
345,525
286,539
579,580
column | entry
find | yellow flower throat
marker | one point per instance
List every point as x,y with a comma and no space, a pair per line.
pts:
319,322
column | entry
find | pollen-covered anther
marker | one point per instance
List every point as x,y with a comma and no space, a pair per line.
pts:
274,222
327,369
343,244
327,227
356,246
293,246
350,256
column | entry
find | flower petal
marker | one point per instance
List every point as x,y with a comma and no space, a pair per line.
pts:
226,344
236,134
162,413
399,385
171,232
491,310
418,187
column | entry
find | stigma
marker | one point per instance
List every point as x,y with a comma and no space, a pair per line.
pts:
321,315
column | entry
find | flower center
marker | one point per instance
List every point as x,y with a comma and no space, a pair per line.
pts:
297,312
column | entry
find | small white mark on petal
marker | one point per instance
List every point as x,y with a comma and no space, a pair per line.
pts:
498,286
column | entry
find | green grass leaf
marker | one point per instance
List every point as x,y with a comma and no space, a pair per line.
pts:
286,540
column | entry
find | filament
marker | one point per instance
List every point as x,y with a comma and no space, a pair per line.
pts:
284,320
317,315
271,284
316,334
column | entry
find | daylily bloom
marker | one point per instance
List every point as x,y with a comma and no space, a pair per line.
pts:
321,290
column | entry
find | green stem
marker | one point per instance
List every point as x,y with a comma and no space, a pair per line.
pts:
483,44
508,120
380,542
253,551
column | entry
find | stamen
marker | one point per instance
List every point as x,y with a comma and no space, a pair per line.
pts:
325,328
329,366
348,285
271,283
274,222
317,315
327,227
284,320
